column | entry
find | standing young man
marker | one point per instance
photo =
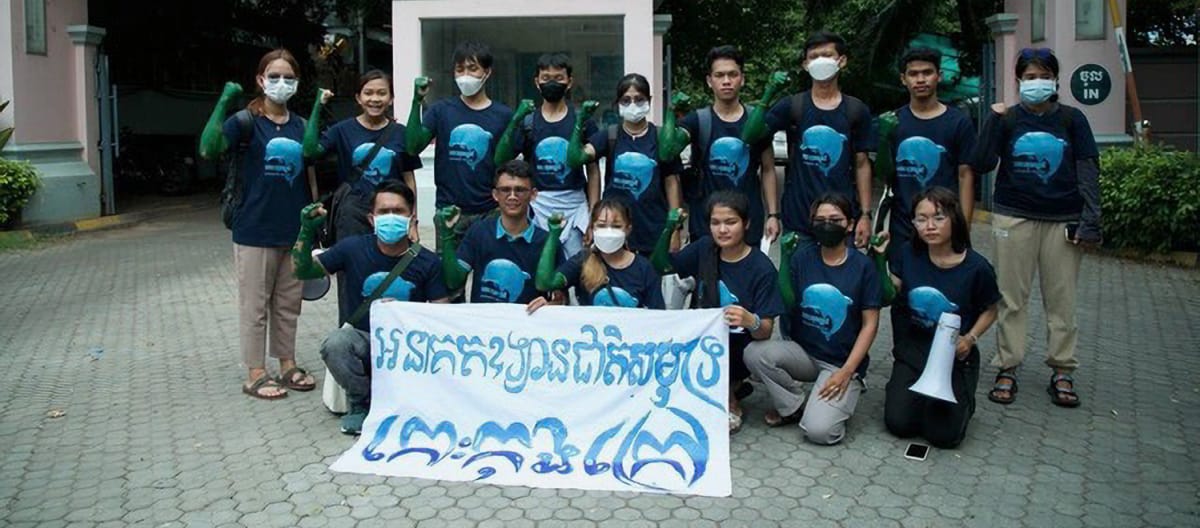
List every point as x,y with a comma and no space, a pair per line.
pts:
829,139
931,145
466,129
541,138
719,156
366,261
502,252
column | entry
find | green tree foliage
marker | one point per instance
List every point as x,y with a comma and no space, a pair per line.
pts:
771,33
1163,22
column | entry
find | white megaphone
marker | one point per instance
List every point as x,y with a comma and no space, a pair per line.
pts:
935,380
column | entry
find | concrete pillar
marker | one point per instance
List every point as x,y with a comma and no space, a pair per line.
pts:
1004,34
661,24
87,118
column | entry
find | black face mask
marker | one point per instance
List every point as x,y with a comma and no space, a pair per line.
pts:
552,91
829,234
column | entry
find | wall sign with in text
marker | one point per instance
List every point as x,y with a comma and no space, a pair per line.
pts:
1091,84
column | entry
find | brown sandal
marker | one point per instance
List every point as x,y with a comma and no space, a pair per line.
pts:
288,379
780,421
265,381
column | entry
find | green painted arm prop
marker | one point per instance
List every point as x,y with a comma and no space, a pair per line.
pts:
504,147
787,246
416,136
548,278
212,139
661,257
672,139
887,287
311,218
452,271
576,156
756,120
885,158
312,136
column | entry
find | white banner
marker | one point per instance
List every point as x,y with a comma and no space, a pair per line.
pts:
569,397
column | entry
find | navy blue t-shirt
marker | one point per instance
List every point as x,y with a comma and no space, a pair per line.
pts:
928,153
1037,162
544,147
822,148
729,164
636,176
352,142
635,286
830,301
751,283
504,265
365,267
463,169
927,291
274,186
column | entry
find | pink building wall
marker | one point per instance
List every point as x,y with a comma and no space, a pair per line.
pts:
43,87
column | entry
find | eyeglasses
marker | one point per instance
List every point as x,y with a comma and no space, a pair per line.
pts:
1039,53
278,76
519,192
938,220
632,100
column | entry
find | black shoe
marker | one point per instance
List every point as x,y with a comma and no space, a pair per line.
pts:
744,390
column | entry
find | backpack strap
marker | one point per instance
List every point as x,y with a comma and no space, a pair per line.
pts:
365,307
245,121
705,117
800,104
610,159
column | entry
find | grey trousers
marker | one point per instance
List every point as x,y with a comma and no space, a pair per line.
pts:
347,354
783,368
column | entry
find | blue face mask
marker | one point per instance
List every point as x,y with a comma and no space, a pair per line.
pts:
1036,91
391,228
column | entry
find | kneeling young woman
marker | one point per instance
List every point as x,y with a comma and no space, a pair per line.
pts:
937,273
833,324
731,275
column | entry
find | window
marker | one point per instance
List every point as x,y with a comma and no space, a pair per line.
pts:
589,43
1037,21
35,27
1089,20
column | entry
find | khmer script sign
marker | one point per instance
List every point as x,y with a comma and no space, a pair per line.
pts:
569,397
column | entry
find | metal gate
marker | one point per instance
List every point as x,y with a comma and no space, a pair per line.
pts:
106,103
988,90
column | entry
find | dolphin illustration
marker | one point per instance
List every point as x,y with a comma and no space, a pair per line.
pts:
824,307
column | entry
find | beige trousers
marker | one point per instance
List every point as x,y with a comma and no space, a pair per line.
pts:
1025,247
268,296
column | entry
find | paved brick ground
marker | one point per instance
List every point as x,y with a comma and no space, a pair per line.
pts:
156,432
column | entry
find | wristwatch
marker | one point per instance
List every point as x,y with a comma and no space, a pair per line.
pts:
772,215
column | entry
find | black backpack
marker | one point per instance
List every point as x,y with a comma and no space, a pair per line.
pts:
231,192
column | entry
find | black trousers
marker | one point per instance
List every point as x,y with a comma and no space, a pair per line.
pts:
908,414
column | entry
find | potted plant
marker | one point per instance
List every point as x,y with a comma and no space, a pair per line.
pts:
18,181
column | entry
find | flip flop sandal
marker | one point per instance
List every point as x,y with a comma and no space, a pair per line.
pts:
735,423
1057,393
255,389
286,379
1009,386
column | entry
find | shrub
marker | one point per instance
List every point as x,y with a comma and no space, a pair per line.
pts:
1150,196
18,181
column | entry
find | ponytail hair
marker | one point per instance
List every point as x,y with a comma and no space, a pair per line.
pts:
595,273
256,105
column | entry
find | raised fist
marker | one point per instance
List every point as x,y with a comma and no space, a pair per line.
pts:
587,109
421,87
232,89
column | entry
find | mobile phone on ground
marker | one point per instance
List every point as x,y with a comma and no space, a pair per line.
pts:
1071,228
916,451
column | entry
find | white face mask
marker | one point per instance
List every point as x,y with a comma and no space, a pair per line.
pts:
608,239
280,90
822,68
635,113
469,85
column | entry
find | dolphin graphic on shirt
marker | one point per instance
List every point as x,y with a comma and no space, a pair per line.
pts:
469,143
1038,154
927,306
282,159
821,148
824,307
918,158
502,281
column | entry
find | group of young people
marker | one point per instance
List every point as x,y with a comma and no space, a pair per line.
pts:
532,229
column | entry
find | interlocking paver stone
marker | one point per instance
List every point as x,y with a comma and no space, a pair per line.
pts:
156,431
